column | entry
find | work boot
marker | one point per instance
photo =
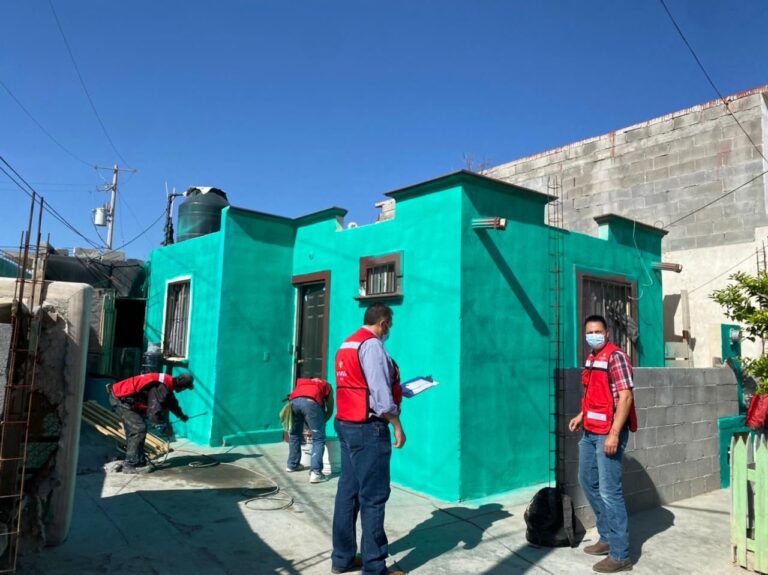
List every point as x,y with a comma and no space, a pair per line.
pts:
598,548
357,565
137,469
611,565
299,467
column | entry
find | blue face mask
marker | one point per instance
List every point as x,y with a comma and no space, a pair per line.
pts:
595,340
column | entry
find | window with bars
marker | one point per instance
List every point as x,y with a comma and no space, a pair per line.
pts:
381,276
613,298
177,304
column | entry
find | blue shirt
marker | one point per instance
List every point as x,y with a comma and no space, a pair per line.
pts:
379,373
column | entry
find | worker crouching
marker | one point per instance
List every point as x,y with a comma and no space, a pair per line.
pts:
149,396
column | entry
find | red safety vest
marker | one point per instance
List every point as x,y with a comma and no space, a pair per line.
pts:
597,404
352,393
315,389
135,384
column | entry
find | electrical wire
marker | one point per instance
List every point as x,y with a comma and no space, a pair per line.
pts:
42,128
733,267
144,231
82,83
272,495
709,78
30,191
717,199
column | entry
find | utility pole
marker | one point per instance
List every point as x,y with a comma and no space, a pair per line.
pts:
112,206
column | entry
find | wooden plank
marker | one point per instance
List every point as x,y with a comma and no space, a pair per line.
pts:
761,504
107,423
739,500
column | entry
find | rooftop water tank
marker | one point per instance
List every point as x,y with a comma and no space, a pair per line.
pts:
200,212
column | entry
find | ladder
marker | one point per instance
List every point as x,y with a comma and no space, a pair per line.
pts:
555,373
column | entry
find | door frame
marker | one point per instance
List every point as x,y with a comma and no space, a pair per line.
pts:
299,282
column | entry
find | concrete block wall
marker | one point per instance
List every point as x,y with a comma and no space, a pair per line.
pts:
662,169
674,454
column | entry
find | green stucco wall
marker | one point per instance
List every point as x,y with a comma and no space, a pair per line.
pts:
425,338
506,370
505,438
255,328
200,259
474,314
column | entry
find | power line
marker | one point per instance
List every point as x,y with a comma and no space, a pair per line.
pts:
49,208
717,199
149,227
42,128
734,266
709,78
82,83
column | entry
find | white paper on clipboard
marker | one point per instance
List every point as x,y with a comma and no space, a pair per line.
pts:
417,385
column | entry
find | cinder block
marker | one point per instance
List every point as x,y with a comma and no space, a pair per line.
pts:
642,418
645,438
665,435
666,493
704,393
684,433
657,416
645,396
683,394
704,429
727,408
698,486
682,490
727,392
665,395
676,414
670,474
694,451
713,481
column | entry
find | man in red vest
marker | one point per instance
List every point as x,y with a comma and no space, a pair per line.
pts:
607,416
368,397
311,403
151,396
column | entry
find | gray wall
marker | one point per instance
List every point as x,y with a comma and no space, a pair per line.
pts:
675,452
662,169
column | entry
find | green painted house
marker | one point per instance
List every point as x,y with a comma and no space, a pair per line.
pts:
481,289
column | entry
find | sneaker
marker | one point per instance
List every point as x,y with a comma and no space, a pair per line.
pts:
611,565
357,565
299,467
598,548
315,477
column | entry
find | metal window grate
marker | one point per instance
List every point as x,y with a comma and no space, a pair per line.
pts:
177,319
613,300
381,279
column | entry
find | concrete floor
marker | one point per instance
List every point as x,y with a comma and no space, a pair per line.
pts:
190,520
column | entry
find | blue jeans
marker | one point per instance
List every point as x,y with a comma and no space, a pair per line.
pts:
366,449
600,478
306,410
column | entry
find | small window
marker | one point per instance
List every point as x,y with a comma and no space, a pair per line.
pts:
177,304
381,277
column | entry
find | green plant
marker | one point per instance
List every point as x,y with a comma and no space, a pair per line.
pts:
746,302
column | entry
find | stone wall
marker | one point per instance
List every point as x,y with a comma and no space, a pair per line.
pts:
674,454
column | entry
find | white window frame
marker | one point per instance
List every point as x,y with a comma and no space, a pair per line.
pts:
168,283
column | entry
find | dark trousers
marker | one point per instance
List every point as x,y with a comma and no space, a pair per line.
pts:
363,488
135,433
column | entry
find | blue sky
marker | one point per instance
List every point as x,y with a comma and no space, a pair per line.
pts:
292,107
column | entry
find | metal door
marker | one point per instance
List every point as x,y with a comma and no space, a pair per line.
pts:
311,334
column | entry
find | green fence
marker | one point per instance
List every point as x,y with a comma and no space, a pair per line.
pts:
749,501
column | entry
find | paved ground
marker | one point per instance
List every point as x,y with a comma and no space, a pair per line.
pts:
190,520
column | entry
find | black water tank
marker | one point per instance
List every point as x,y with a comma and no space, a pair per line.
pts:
200,212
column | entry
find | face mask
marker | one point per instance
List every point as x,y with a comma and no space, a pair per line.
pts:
595,340
384,337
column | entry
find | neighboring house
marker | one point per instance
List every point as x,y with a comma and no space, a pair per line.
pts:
470,269
677,172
